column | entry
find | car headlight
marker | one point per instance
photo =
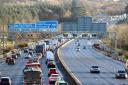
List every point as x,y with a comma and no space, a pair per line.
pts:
126,75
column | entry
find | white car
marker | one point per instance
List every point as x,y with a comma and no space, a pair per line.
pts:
28,56
95,69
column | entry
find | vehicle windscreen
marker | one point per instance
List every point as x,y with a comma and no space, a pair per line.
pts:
63,84
121,71
94,66
4,79
54,75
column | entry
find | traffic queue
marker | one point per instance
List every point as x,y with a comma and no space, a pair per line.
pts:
54,76
32,72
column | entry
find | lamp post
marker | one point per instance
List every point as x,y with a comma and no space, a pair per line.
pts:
3,39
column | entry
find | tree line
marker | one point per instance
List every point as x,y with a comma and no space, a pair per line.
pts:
28,13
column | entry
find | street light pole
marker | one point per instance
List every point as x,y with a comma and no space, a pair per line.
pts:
3,40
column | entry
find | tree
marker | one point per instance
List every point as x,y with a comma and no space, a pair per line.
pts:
126,9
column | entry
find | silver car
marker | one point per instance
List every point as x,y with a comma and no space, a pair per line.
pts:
95,69
121,74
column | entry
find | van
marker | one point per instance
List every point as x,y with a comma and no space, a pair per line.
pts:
49,56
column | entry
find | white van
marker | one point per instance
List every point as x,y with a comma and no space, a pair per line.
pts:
49,56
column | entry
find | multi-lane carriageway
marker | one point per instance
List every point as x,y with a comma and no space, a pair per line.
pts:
80,62
15,72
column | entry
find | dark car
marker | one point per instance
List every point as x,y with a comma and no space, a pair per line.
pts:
18,54
7,59
52,71
5,81
121,74
30,52
26,50
95,69
14,56
51,64
11,61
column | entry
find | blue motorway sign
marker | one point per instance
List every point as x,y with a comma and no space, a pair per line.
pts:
38,26
47,24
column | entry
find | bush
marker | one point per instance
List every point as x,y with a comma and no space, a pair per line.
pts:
21,45
6,51
126,57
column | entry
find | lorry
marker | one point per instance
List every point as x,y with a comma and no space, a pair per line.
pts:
41,48
32,76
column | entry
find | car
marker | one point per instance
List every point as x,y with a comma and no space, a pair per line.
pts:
29,61
7,59
26,50
51,64
95,69
11,61
52,71
14,56
35,59
30,52
39,55
18,54
28,56
77,49
121,74
53,78
5,81
61,82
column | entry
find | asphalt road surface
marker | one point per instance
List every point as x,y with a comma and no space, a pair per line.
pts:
80,62
15,72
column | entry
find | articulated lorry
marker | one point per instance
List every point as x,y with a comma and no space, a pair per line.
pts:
32,74
41,48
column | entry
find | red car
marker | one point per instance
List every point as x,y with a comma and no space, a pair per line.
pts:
53,78
51,64
52,71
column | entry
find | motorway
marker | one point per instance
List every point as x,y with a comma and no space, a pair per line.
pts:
80,63
15,72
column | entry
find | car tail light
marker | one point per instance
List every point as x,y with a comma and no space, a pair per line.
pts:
56,71
48,72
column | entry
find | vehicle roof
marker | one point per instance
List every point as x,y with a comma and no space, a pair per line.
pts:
5,77
95,66
32,69
61,81
121,71
52,68
54,74
49,55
